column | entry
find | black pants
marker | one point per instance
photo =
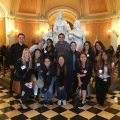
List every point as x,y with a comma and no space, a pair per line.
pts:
27,93
72,84
101,90
11,80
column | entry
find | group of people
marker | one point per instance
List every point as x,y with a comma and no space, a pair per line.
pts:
60,70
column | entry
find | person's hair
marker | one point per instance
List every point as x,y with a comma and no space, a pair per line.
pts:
61,34
50,40
47,57
102,47
80,62
21,34
72,43
52,46
109,61
111,48
33,56
90,47
23,57
64,66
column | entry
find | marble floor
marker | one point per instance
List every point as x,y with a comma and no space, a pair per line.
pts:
10,109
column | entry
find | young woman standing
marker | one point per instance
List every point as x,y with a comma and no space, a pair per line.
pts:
104,71
61,79
84,73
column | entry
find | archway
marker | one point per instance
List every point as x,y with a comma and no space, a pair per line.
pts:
69,14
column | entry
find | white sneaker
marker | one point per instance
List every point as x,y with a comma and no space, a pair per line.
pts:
24,106
20,101
59,102
64,102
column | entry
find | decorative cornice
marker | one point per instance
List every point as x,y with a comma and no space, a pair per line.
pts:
82,13
27,19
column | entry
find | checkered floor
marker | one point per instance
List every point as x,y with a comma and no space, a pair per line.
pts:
10,109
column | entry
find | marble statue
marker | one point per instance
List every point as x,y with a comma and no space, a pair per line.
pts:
60,26
77,35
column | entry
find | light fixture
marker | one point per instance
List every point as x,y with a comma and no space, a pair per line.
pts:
115,29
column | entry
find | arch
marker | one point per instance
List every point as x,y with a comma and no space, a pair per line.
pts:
70,14
3,9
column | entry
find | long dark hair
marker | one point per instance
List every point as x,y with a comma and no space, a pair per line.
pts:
33,56
102,47
109,61
64,66
90,47
52,46
80,62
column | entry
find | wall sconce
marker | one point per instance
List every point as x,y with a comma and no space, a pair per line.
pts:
115,29
109,31
16,31
114,32
86,32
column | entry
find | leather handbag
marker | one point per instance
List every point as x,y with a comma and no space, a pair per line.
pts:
16,87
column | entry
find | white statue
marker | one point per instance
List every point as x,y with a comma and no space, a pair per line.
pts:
77,35
60,26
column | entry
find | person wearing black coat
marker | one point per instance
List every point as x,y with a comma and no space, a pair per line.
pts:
47,74
23,72
61,80
84,73
15,53
118,59
87,48
37,62
71,61
49,50
104,76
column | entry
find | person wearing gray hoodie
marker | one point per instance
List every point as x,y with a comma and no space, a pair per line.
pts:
61,47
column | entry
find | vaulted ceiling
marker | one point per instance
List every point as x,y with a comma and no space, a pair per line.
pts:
47,9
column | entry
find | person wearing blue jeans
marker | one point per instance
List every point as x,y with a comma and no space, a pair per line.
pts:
47,73
48,94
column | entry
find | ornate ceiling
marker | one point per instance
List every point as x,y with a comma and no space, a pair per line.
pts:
47,9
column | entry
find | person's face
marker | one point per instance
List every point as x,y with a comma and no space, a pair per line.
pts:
49,43
73,46
98,47
40,45
37,54
61,38
104,56
47,62
83,58
86,46
61,61
27,55
21,39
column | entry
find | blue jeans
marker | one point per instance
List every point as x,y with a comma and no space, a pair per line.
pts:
49,93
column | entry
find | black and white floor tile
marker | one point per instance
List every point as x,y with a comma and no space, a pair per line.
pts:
10,109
